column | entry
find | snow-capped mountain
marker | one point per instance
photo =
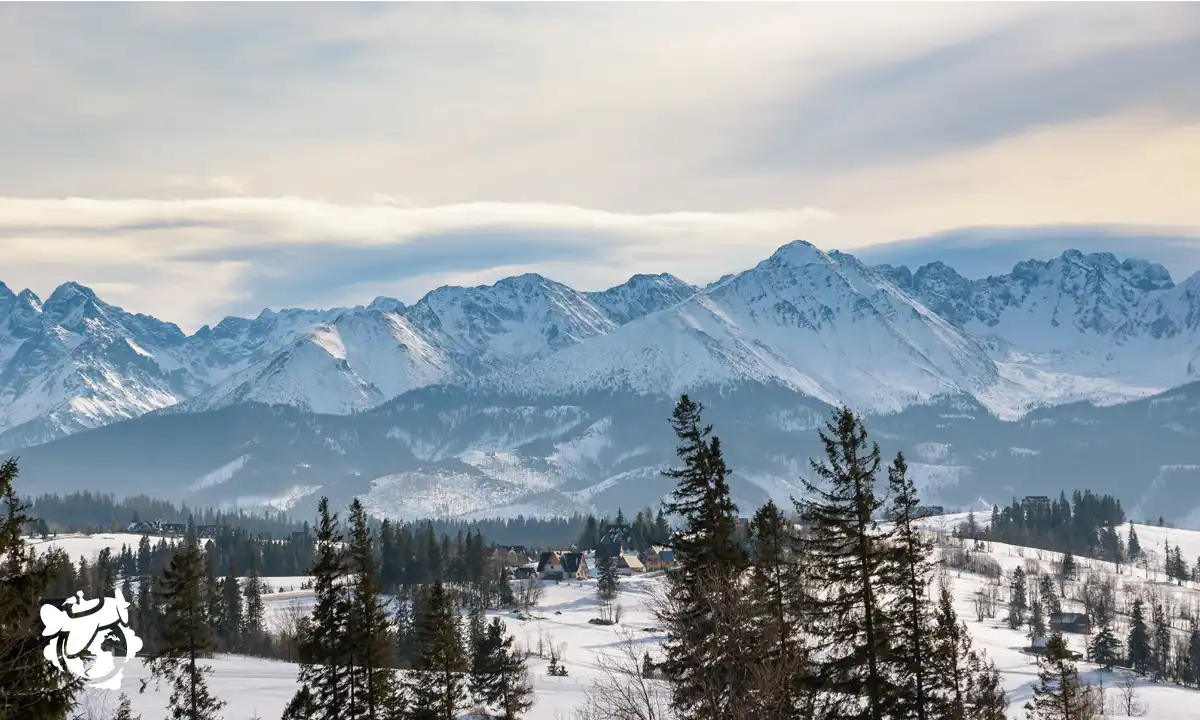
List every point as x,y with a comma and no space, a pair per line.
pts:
883,338
527,396
821,324
1077,327
76,362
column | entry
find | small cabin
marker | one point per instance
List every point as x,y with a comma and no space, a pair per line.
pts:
629,565
1077,623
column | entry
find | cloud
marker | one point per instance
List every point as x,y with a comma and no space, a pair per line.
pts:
186,259
204,160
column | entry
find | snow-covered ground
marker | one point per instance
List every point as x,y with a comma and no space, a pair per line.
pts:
261,688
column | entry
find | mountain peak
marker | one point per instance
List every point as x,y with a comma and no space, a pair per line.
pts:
386,304
799,252
70,292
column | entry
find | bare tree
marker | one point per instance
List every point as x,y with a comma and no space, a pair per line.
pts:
621,692
529,594
1128,698
286,626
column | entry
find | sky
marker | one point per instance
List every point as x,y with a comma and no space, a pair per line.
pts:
192,160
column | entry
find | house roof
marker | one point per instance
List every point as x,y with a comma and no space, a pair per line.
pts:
631,561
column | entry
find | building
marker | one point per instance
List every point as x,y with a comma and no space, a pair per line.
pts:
615,539
629,565
562,566
524,573
1077,623
1035,503
930,511
658,558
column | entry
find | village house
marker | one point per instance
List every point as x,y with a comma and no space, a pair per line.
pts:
1077,623
629,565
658,558
562,566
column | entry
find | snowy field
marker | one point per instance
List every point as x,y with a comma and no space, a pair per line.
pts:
260,688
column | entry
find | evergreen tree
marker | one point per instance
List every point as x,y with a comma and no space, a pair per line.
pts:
1037,620
1161,641
1051,603
1067,568
1105,649
1059,694
324,674
253,613
778,595
125,709
1192,666
373,692
301,706
32,689
607,579
952,661
1133,547
988,700
189,635
705,655
1017,599
231,619
848,566
499,678
1138,644
436,688
909,575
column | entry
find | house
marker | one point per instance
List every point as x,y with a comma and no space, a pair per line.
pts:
1035,503
524,573
144,528
1077,623
562,566
658,557
172,528
629,565
206,531
616,539
1040,643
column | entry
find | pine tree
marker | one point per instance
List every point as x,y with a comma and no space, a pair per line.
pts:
1017,599
1192,667
988,699
911,568
373,691
231,620
1133,547
952,661
323,649
1067,568
705,654
1051,603
1138,644
1161,640
499,678
1105,649
1059,694
125,709
847,564
607,578
33,689
778,594
189,636
301,706
436,688
1037,620
253,613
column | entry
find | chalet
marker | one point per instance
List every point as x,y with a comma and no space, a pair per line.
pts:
172,528
562,566
1039,645
616,539
629,565
658,558
144,528
1077,623
524,573
1035,503
206,531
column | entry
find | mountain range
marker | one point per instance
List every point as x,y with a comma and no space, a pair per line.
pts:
527,396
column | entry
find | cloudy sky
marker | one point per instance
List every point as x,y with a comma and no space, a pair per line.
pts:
195,160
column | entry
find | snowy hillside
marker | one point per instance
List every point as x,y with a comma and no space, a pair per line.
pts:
261,688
